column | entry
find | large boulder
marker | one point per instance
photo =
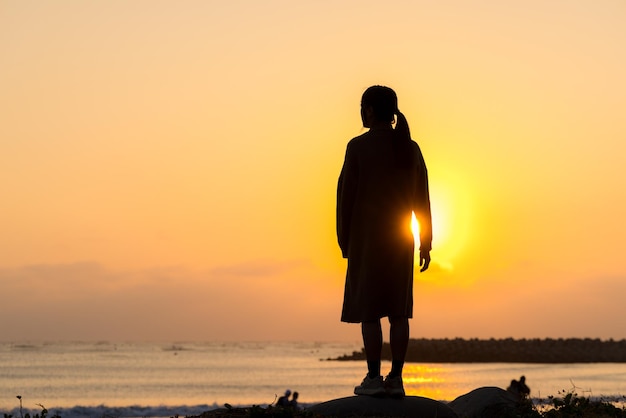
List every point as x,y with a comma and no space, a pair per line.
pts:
486,402
369,406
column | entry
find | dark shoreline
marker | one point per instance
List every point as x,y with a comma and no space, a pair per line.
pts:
509,350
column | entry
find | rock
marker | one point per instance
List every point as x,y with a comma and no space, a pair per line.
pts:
485,402
369,406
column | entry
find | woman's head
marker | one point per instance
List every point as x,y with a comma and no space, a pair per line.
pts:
379,102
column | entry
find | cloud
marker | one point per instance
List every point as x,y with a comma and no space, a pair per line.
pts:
86,301
292,300
523,303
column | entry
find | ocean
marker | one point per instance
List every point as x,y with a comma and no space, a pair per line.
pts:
106,379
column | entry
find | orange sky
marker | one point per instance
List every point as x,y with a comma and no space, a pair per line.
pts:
168,169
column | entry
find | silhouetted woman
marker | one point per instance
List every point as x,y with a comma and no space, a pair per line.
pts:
382,182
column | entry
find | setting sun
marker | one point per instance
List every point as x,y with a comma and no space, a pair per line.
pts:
451,211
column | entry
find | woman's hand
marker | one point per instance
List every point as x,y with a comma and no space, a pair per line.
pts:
424,260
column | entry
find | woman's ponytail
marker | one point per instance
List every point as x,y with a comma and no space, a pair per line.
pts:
402,141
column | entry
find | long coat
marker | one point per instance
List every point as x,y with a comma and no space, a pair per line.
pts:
375,201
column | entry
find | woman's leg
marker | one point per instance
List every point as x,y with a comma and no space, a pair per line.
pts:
373,343
372,384
399,341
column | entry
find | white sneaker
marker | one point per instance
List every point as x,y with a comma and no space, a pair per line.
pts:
394,387
370,387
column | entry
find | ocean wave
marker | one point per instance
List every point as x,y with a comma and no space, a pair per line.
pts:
132,411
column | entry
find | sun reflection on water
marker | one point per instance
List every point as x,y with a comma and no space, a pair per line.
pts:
427,380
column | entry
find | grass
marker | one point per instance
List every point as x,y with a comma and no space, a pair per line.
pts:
570,404
43,414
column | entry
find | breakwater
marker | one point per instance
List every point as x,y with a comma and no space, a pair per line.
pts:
509,350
